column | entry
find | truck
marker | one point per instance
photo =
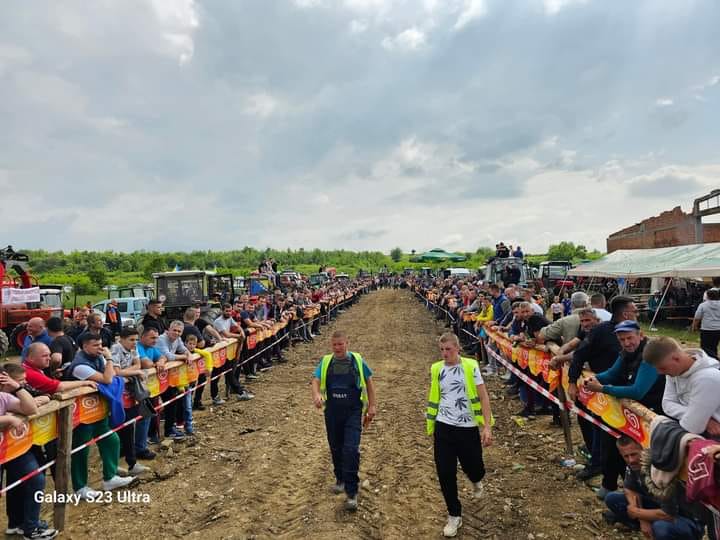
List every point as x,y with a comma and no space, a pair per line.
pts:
187,288
21,299
508,270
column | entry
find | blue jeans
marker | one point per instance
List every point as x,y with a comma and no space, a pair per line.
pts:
187,412
22,510
680,528
141,434
344,427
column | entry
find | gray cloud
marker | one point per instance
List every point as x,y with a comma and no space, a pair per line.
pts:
177,116
668,185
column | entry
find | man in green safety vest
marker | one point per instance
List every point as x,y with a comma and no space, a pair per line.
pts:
343,384
457,404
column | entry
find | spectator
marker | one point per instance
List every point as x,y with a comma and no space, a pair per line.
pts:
707,319
653,305
636,508
79,323
226,327
565,330
518,252
171,347
23,510
113,318
501,304
598,303
96,327
630,377
567,304
557,309
599,350
62,348
691,388
126,362
36,364
150,358
36,332
153,318
93,363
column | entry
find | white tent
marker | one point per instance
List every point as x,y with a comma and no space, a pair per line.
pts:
691,261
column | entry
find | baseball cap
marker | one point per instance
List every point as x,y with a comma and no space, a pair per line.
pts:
627,326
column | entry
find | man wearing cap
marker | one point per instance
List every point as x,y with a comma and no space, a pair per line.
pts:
630,377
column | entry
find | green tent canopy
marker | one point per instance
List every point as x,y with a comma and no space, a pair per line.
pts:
691,261
438,255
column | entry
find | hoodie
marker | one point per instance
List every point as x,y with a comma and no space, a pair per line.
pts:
692,398
709,314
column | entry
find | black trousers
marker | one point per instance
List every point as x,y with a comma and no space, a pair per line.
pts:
709,340
613,465
452,444
127,437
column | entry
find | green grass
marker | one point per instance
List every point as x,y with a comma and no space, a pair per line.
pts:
82,298
679,332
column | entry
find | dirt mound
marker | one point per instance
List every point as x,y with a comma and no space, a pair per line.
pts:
262,469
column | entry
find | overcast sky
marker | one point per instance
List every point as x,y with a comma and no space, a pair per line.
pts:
357,124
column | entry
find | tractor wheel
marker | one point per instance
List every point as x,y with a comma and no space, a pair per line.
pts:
17,336
4,343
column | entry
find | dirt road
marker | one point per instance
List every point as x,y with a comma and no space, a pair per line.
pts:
262,469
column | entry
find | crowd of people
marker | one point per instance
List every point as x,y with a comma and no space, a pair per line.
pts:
59,356
584,332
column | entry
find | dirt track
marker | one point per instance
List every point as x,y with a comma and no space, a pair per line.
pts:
262,469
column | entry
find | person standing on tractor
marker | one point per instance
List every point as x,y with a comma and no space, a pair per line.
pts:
457,404
343,384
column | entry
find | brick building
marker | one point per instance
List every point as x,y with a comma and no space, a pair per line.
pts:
671,228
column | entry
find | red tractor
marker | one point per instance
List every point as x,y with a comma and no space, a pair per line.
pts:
19,300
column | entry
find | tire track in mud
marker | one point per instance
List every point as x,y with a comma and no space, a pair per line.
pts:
262,469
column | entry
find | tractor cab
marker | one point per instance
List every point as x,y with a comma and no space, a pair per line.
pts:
186,288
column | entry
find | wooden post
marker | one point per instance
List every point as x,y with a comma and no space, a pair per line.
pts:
564,415
565,419
62,463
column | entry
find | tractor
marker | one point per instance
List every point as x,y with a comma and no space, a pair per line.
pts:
186,288
20,300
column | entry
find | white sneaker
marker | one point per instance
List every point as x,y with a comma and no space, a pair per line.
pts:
86,493
117,482
137,469
478,490
453,524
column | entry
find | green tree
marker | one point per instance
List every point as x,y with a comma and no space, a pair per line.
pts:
396,254
98,276
566,251
154,264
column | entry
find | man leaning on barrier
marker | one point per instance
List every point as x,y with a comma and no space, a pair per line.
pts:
94,363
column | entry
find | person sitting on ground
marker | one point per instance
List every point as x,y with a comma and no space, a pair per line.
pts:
94,363
126,362
707,319
36,333
691,388
23,508
598,302
630,377
636,508
96,327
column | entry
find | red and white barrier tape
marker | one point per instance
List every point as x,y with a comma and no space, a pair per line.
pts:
157,408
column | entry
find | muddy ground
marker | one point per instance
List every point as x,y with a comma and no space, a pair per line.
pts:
261,469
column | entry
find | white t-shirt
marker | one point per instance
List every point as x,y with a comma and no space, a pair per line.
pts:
454,406
537,308
221,324
603,314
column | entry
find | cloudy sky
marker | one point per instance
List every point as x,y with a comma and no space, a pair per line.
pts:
357,124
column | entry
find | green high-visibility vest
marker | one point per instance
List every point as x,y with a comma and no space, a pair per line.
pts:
361,382
468,365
